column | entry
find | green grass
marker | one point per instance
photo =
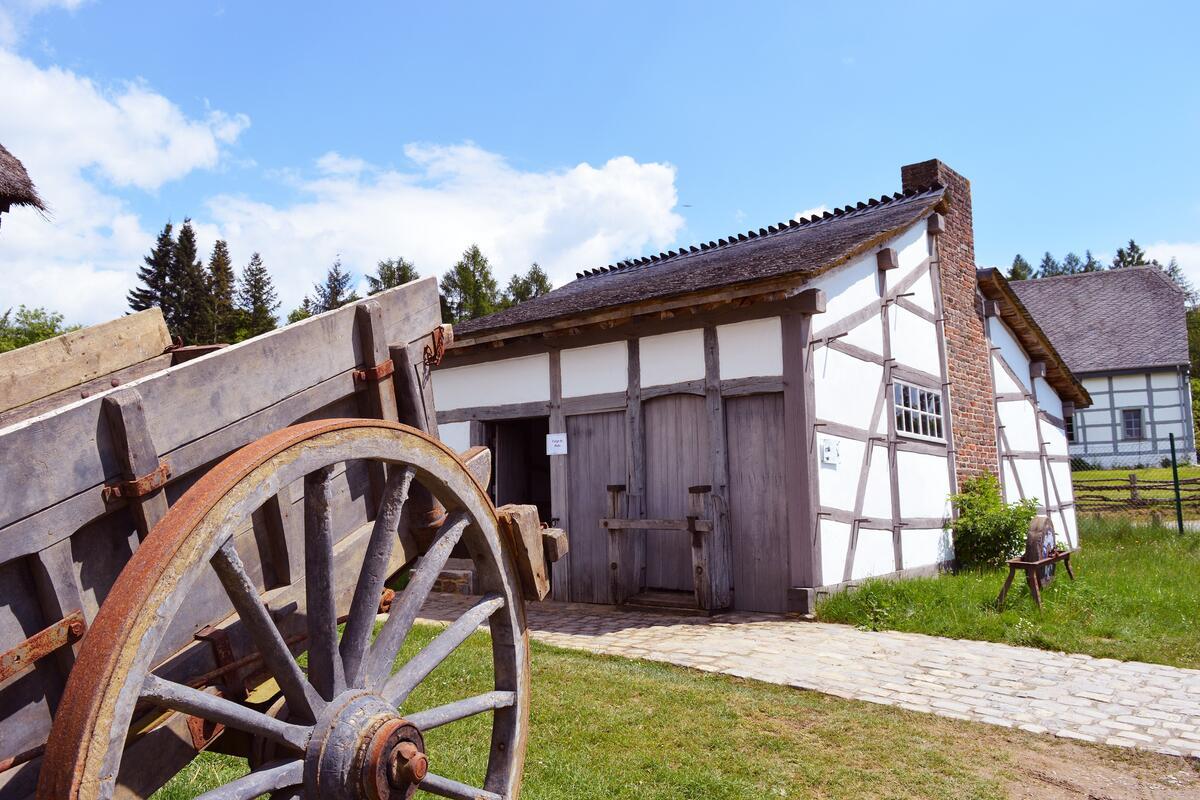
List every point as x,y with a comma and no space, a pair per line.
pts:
1084,480
1135,598
615,728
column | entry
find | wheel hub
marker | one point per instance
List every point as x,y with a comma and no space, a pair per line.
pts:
362,750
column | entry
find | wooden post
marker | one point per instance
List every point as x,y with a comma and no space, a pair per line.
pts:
700,508
559,494
378,394
410,404
135,448
635,456
618,549
1135,496
719,541
804,540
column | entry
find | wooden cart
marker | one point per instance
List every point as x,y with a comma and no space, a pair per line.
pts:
178,527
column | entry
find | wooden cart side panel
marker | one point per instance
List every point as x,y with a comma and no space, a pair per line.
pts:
62,454
44,368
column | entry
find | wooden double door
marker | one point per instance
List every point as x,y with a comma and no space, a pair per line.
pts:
678,455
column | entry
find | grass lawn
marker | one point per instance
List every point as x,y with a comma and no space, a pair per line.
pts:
1085,484
1135,597
615,728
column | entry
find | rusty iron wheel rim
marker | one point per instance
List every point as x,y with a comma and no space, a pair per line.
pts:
349,691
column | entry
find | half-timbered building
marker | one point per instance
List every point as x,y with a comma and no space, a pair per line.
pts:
747,422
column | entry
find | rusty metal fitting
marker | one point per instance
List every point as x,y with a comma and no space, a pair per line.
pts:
375,373
407,766
138,487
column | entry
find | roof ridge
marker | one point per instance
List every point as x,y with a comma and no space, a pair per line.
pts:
1107,270
769,231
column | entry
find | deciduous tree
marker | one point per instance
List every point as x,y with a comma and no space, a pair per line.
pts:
469,288
391,273
520,288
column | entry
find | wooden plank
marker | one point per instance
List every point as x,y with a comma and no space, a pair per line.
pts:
195,399
758,502
684,387
890,398
588,404
497,412
720,546
622,524
741,387
41,369
520,524
86,389
407,387
596,460
635,456
678,453
137,454
799,454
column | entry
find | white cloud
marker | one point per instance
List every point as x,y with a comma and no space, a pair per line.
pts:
811,212
446,198
15,15
84,145
1187,253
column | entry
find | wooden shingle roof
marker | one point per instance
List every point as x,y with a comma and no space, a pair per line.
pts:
1129,318
793,248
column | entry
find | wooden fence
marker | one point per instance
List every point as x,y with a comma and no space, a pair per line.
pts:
1134,493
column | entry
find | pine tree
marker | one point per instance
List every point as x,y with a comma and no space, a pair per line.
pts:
222,313
154,274
1021,270
1175,273
1090,264
305,311
391,273
1131,256
257,300
1049,266
520,288
188,289
334,291
470,288
1071,264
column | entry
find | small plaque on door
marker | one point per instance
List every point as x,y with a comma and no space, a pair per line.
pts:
556,444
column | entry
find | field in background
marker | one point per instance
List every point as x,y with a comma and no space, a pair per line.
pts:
1135,598
614,728
1137,492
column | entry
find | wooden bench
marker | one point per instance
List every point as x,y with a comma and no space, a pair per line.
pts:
1031,574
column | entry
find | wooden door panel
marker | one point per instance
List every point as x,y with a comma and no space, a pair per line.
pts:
595,459
677,457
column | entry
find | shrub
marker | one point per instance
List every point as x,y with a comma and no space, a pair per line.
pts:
987,531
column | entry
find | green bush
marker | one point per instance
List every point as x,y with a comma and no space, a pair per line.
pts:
988,532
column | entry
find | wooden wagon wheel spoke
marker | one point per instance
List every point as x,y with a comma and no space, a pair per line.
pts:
324,661
267,779
363,607
405,609
301,696
178,697
444,787
400,685
461,709
347,737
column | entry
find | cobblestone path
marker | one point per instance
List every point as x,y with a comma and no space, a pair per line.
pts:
1127,704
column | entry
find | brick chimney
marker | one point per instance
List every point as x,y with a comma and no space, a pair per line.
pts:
967,354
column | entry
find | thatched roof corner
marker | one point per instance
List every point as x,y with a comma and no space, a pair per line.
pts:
16,189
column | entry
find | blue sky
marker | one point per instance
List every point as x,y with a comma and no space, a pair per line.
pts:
576,134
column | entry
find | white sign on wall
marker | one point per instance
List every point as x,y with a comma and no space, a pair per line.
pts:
556,444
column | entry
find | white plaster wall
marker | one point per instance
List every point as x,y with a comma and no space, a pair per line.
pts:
835,543
672,357
1166,399
597,369
455,434
1030,472
868,335
922,547
922,293
847,289
1122,382
914,341
1060,472
838,483
1020,425
1011,350
1055,439
1133,399
511,380
845,387
1047,398
1167,413
1095,384
1004,383
912,247
750,349
874,555
924,482
1164,380
877,502
1101,400
1008,481
1098,422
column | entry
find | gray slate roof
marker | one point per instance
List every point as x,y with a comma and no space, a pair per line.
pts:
1129,318
799,248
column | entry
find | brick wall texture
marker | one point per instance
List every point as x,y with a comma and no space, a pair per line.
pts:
967,350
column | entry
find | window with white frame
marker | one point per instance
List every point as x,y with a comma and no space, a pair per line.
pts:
1131,424
918,412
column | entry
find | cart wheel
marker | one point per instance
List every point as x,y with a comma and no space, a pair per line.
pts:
343,736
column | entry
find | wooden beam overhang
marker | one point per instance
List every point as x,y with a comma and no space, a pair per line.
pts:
1016,316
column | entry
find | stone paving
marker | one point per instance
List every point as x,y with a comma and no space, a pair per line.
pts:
1126,704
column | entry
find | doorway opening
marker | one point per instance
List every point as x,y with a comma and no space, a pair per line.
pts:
520,467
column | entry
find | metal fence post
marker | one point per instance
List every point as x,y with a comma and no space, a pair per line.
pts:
1175,480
